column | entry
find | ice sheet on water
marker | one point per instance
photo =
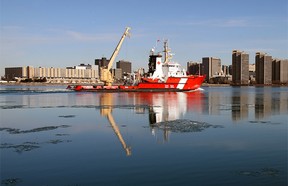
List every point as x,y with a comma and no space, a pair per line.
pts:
184,125
29,146
40,129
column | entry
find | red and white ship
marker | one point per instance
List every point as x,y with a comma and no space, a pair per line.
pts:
166,76
162,76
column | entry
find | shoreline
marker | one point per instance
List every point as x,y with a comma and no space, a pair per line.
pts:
66,84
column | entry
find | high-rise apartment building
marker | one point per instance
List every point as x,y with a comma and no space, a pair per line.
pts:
280,71
211,67
240,67
263,64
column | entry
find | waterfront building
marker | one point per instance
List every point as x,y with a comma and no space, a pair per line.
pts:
211,67
125,66
194,68
280,71
34,73
15,72
30,72
263,68
240,68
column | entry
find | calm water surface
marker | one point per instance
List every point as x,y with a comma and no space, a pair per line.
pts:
214,136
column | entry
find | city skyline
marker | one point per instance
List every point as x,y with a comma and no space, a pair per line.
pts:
65,33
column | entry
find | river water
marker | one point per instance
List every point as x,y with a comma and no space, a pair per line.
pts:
51,136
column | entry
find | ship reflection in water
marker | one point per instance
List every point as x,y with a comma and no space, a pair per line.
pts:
166,108
162,107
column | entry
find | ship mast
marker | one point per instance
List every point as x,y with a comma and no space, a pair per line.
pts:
166,51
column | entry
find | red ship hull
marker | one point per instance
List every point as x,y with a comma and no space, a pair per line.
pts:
173,84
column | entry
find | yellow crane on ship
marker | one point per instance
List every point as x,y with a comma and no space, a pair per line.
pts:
106,101
105,74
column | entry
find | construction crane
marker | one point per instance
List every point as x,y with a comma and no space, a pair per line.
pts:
105,74
106,101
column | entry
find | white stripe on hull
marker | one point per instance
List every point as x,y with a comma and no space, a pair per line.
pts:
182,83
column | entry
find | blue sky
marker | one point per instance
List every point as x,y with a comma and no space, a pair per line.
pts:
60,33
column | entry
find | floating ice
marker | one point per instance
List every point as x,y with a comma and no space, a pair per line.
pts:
183,125
40,129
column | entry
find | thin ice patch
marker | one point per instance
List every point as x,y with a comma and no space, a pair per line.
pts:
183,125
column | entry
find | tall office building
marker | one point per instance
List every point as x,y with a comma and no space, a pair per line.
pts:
125,66
280,71
211,67
263,68
240,68
194,68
